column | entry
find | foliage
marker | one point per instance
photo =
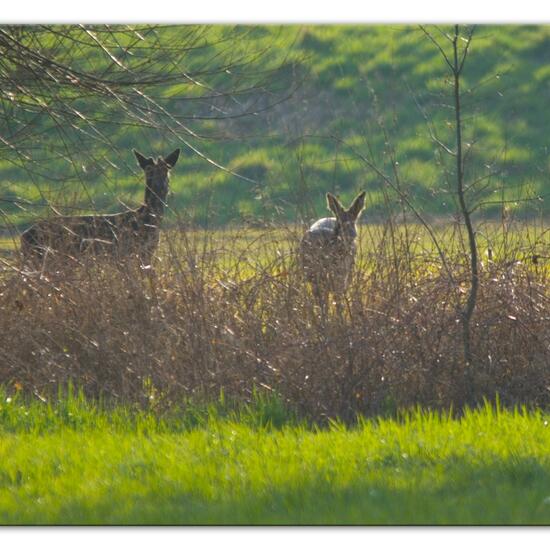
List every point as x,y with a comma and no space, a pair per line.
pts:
228,311
362,82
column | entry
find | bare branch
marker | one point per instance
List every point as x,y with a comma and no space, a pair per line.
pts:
438,46
465,53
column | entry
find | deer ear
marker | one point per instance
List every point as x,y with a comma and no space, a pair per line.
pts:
335,205
142,161
172,158
357,205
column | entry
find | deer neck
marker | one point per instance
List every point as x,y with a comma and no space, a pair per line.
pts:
154,202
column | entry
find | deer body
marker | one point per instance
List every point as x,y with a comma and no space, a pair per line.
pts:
134,232
328,248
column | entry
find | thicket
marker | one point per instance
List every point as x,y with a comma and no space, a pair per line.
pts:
441,317
228,313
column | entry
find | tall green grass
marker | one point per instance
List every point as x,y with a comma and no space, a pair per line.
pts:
76,462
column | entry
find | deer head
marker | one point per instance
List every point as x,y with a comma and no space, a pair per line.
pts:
157,178
346,219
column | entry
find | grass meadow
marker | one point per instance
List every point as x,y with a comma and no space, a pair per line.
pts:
354,89
76,463
215,386
211,389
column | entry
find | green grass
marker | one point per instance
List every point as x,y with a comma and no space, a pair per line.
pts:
7,244
356,77
75,462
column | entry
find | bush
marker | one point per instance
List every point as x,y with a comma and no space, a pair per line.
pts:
227,312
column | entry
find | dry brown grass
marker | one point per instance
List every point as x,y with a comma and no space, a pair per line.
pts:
229,311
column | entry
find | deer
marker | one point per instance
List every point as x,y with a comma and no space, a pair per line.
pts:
328,248
132,233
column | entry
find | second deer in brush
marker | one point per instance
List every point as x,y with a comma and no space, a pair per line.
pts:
328,249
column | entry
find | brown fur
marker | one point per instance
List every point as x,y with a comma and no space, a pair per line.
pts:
327,250
132,233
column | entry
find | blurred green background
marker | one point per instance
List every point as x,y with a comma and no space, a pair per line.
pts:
319,100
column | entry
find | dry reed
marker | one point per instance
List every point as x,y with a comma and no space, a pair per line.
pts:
229,311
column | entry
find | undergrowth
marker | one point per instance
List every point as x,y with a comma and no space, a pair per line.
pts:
228,313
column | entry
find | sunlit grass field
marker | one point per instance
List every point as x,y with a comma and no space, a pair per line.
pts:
331,63
69,460
172,356
72,462
237,242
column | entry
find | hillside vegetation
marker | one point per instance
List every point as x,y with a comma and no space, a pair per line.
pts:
333,95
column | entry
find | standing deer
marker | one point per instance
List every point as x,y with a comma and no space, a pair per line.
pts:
327,250
134,232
